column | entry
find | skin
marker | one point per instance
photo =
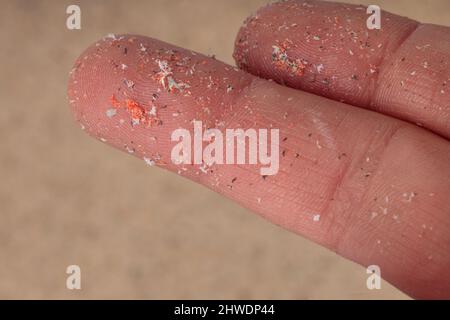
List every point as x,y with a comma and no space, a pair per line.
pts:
351,151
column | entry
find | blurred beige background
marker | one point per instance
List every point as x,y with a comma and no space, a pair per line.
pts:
136,232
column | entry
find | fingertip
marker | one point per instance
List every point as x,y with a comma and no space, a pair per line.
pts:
321,47
96,83
132,91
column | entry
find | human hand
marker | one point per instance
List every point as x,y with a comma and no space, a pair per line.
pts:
369,184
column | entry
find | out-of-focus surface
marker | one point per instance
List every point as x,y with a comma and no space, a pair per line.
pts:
136,232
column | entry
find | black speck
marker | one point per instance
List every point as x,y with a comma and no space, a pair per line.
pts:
343,154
